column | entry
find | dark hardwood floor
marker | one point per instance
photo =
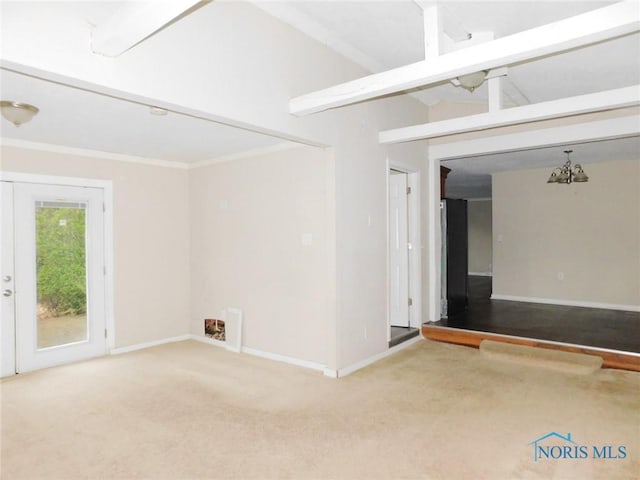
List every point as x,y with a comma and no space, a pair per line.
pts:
609,329
402,334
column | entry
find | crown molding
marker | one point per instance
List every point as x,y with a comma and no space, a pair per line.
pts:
84,152
279,147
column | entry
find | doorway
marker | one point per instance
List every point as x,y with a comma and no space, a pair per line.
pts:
53,275
404,259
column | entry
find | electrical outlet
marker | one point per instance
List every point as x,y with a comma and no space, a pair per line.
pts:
560,275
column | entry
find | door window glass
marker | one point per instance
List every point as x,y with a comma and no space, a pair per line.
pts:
61,273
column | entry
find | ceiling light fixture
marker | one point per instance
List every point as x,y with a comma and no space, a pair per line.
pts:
17,113
473,80
566,174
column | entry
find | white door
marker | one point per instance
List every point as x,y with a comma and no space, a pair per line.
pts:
398,250
52,274
7,309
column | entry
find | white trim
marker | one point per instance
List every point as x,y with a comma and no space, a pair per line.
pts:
153,343
387,247
284,358
619,127
415,255
216,343
49,147
434,234
279,147
481,274
134,22
401,166
272,356
208,340
327,372
85,152
109,278
107,187
565,107
343,372
8,176
569,303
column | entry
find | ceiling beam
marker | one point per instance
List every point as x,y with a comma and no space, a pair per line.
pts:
597,25
449,24
565,107
495,93
433,31
619,127
133,22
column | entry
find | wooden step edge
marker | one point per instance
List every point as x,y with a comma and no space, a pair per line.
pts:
471,338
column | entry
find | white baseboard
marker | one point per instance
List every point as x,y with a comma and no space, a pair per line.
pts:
343,372
217,343
327,372
481,274
208,341
568,303
285,359
154,343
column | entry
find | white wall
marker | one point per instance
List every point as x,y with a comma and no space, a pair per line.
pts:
247,221
480,236
232,62
151,238
589,233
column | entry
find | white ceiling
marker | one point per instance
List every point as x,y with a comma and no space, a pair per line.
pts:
381,35
378,35
83,119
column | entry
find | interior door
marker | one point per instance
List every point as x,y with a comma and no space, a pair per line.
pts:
398,250
7,309
55,300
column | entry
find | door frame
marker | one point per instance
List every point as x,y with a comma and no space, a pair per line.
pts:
107,187
415,254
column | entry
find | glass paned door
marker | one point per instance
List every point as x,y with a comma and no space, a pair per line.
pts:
58,265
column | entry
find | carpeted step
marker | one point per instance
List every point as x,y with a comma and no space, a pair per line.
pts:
542,357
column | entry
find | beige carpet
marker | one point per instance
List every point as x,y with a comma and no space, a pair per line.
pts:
193,411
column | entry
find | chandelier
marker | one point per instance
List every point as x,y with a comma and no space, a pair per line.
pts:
568,174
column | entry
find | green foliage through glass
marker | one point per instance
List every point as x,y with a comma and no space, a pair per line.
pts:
61,260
